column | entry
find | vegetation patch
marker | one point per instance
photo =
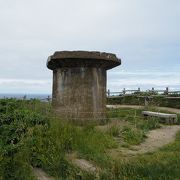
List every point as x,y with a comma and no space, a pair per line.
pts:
163,164
161,101
31,136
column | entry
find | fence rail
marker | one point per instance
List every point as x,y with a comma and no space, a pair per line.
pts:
153,91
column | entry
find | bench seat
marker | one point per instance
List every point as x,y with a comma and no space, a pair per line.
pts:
169,118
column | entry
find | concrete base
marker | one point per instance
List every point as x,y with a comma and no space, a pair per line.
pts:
80,92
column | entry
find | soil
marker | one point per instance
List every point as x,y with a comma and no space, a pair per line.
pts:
155,139
141,107
85,165
41,175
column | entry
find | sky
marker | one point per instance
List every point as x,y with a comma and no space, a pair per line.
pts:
145,34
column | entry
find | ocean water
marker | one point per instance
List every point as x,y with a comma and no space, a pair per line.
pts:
27,96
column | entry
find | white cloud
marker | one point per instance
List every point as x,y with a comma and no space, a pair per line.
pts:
143,79
25,86
142,33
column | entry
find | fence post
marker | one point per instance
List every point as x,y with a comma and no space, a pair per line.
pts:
152,89
124,91
167,91
108,92
24,97
146,101
48,98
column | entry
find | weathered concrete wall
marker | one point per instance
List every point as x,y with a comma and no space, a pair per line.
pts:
79,82
80,92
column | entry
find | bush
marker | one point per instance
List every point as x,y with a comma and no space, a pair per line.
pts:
140,100
132,135
16,122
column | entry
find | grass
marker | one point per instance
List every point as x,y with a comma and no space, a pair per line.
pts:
140,100
31,136
161,165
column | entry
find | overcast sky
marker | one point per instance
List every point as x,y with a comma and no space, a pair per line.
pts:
145,34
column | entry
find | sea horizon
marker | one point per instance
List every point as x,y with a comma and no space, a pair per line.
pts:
40,96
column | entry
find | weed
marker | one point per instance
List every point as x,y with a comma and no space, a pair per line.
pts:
132,135
163,164
30,136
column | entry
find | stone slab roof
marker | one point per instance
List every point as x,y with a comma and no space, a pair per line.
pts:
82,59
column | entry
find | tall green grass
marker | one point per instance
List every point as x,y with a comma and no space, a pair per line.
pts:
31,136
135,131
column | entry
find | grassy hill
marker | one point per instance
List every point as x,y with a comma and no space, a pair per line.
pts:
173,102
32,136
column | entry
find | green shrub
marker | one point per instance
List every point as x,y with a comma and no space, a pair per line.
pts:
15,123
140,100
132,135
114,131
148,124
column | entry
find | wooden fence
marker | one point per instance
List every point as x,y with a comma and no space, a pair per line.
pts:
153,91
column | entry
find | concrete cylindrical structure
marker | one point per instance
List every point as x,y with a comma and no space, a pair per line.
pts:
79,82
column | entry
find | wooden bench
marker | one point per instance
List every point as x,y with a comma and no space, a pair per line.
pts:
164,117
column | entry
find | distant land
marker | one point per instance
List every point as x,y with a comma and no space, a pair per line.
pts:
28,96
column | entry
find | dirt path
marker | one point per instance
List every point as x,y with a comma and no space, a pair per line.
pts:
85,165
140,107
41,175
169,109
124,106
155,140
